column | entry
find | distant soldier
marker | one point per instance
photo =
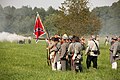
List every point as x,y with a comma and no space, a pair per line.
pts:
29,40
21,41
92,52
106,40
115,52
63,52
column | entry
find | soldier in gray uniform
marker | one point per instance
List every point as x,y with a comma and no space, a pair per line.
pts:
71,51
57,57
63,52
115,52
91,52
77,57
53,49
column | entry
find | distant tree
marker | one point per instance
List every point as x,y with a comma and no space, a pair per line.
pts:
50,23
51,10
115,9
41,12
77,19
2,19
1,10
110,18
9,17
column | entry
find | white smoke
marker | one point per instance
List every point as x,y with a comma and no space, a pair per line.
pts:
5,36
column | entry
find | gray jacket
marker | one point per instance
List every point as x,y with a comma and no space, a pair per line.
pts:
77,49
116,48
92,47
114,51
63,50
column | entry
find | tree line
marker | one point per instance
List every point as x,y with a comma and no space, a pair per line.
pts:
110,17
21,20
73,17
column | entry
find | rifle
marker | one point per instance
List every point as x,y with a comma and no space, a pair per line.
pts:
47,49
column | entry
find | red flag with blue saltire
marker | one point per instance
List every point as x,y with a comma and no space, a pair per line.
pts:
38,28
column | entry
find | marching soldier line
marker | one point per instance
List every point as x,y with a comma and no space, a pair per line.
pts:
66,53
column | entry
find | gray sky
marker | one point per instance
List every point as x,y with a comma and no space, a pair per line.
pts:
54,3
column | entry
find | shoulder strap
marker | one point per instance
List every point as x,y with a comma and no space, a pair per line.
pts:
58,46
96,44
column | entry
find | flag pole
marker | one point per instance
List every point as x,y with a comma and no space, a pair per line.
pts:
40,30
38,27
47,49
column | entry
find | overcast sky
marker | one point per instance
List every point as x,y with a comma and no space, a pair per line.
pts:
54,3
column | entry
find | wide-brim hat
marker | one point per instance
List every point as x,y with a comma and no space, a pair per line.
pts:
114,38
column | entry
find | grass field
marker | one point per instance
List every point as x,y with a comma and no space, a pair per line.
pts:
28,62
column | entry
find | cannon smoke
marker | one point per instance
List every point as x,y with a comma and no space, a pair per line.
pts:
5,36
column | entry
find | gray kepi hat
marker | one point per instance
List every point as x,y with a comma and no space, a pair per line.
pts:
65,36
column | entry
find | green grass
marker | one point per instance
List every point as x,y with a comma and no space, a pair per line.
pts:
28,62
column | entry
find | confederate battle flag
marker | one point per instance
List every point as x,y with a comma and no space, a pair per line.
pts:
38,27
